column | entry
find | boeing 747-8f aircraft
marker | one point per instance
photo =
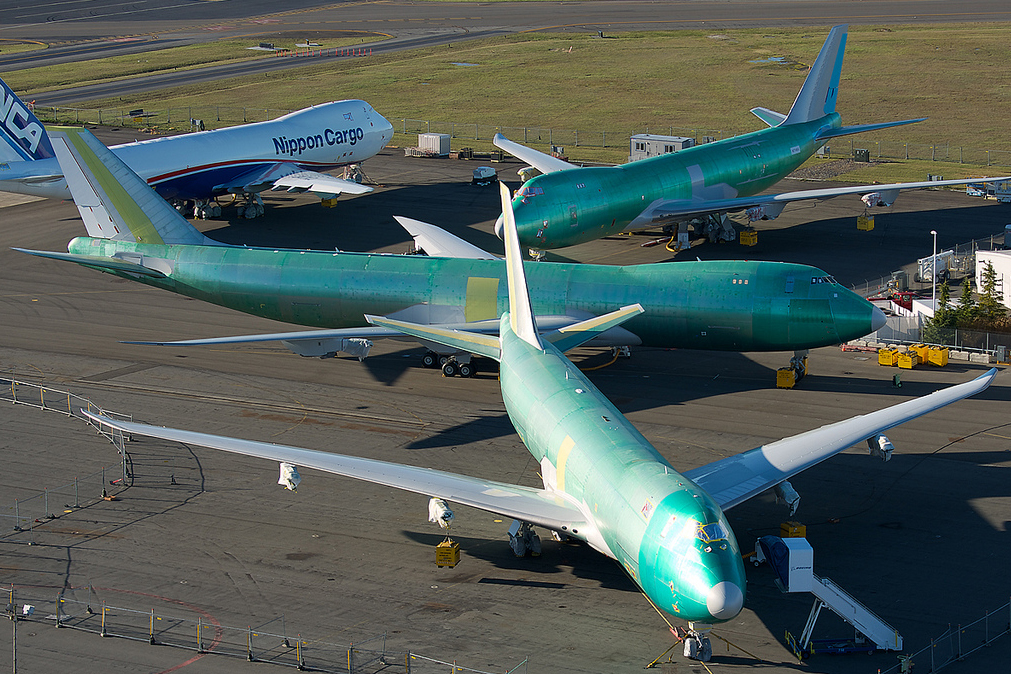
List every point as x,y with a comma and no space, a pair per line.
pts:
285,153
567,204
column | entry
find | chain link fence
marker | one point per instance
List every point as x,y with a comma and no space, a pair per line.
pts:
196,118
956,643
24,515
84,609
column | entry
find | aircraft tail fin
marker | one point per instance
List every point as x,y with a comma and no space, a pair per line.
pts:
521,316
114,202
817,97
23,136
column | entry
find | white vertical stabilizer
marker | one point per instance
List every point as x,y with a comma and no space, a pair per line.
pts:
114,202
817,97
521,317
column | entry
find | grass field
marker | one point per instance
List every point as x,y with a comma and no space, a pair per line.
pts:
956,75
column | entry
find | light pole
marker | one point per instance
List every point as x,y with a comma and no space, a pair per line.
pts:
933,274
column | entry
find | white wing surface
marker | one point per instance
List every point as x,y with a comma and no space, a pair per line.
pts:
527,504
736,479
323,184
437,242
544,163
774,203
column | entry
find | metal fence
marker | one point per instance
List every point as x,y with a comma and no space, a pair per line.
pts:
195,118
24,515
956,643
269,642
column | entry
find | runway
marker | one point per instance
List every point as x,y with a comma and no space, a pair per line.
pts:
106,28
922,539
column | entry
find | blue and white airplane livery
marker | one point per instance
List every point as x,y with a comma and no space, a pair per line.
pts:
288,153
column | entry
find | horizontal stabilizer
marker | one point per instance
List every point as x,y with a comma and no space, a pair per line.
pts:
437,242
735,479
544,163
537,506
572,336
98,262
481,345
860,128
770,117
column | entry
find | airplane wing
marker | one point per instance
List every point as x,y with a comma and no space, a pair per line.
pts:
437,242
527,504
326,342
736,479
544,163
285,175
325,185
772,205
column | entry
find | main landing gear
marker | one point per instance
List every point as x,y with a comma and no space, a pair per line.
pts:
452,365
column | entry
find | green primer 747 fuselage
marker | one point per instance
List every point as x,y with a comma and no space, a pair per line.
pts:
723,305
668,533
564,208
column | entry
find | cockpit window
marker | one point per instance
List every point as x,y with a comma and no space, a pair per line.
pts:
527,192
708,533
823,279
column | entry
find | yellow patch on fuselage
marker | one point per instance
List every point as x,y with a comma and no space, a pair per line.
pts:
482,299
563,456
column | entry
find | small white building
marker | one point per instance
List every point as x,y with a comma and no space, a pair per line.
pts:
643,145
1001,261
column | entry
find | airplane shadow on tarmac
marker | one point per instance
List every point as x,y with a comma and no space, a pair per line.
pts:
580,559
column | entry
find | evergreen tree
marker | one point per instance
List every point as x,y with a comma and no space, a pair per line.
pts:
989,308
944,316
967,310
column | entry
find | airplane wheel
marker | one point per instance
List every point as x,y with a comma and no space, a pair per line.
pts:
466,370
429,360
449,369
443,360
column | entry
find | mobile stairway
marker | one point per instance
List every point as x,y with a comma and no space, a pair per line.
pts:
793,561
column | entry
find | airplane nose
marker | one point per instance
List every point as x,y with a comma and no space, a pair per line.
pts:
878,319
498,228
725,600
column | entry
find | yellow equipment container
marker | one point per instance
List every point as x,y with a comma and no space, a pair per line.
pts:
329,203
865,223
786,377
888,357
937,356
921,351
792,530
447,553
908,360
749,238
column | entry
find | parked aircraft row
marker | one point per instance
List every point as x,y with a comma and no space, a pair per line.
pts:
603,483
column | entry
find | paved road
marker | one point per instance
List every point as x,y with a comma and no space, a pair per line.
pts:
921,539
151,23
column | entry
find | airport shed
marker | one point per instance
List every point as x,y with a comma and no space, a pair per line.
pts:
1001,261
643,145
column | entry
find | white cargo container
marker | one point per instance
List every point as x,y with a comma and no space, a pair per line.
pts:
434,143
